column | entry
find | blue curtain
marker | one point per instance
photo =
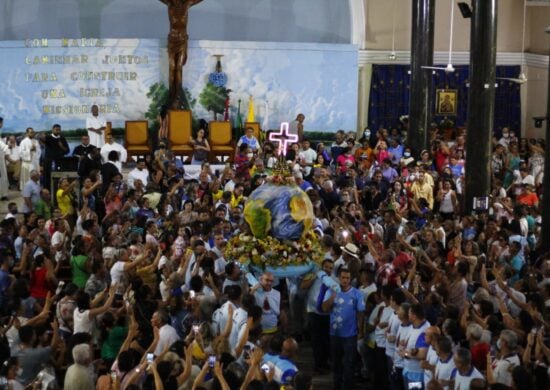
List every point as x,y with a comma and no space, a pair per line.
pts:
389,95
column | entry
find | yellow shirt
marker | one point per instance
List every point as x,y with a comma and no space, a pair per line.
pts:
423,190
64,202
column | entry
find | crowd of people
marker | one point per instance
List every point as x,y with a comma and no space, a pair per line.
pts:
122,281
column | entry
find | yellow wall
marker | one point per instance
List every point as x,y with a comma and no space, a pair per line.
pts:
537,88
379,25
538,18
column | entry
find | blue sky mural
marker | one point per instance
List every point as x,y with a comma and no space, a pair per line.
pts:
54,84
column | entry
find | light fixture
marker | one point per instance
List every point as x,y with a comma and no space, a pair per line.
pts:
521,79
465,10
392,56
449,68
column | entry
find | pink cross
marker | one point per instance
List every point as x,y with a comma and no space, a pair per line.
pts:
283,138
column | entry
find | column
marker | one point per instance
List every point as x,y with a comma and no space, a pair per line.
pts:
481,100
421,96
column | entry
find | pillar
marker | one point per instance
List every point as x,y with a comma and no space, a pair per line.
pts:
481,100
421,91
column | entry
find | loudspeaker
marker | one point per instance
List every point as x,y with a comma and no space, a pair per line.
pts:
465,10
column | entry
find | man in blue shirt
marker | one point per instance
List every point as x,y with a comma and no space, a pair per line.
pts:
346,325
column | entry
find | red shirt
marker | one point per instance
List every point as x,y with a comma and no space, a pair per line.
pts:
479,355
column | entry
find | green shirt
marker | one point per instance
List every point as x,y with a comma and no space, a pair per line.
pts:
43,209
80,275
113,342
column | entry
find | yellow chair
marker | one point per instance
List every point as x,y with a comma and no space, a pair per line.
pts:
108,130
179,132
136,138
256,127
219,138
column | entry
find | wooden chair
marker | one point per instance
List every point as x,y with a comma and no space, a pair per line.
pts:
179,132
136,138
219,138
108,130
256,127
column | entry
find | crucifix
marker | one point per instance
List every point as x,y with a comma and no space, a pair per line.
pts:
178,14
283,138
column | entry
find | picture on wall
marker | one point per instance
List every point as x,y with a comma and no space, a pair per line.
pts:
446,101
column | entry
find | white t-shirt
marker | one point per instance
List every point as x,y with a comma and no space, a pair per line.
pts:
392,329
462,382
380,333
167,336
444,369
117,272
400,343
431,358
502,369
82,323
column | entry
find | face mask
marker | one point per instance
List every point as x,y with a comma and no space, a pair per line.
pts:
250,155
407,154
19,371
505,135
345,198
367,133
499,345
317,203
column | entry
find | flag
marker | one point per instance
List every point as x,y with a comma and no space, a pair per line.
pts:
238,118
251,117
226,111
265,123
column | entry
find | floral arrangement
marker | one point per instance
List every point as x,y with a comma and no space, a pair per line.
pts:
247,249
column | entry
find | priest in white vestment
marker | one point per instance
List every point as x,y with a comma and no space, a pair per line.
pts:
96,127
30,152
110,146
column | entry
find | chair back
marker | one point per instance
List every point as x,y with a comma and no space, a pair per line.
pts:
219,133
179,127
255,126
136,133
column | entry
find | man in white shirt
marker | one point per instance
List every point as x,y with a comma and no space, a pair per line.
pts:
509,359
400,342
30,156
416,348
31,192
139,172
167,334
112,145
445,364
432,336
96,126
384,312
307,157
269,300
464,372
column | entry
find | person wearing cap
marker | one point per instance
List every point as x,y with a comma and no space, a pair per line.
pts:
349,253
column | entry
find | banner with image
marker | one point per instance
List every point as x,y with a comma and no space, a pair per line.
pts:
47,81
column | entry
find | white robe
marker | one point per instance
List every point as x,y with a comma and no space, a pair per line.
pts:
29,159
96,122
4,182
122,154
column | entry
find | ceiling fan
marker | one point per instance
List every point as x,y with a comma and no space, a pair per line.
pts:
449,68
392,56
521,79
